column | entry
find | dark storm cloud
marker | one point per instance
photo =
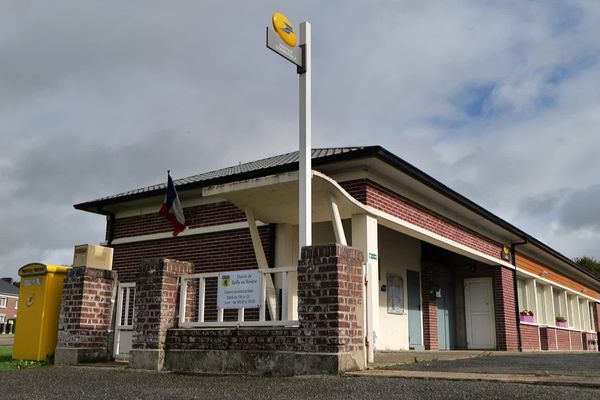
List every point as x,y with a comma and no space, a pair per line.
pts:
581,209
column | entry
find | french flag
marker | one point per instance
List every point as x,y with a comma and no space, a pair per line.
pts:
171,208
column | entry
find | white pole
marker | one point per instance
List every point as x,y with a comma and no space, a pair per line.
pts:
305,175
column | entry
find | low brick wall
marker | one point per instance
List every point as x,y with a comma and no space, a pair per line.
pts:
256,339
329,336
530,337
84,333
576,340
590,341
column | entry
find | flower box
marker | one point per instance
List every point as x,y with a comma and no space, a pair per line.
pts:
561,324
526,318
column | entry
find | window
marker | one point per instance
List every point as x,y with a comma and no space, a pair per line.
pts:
522,294
3,301
541,304
559,310
592,316
16,304
1,318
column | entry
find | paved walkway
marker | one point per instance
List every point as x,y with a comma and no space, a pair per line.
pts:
580,369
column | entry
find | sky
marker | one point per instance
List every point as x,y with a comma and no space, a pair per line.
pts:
500,100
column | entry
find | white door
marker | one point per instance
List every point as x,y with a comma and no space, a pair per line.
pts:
479,312
124,321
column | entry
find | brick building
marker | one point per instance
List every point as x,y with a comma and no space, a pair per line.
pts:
9,303
440,272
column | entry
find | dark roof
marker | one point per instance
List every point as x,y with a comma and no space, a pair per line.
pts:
8,288
276,164
289,162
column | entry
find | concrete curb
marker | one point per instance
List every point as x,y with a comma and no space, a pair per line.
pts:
554,380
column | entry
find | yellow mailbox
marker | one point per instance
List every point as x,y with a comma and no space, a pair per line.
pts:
40,293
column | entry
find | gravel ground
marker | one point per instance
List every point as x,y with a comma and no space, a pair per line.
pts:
581,364
114,384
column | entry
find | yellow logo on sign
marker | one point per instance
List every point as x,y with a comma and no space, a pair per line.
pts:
285,29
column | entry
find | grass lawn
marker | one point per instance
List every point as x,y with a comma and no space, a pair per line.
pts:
7,363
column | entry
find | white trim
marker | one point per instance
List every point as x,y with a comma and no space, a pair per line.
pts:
9,295
416,231
564,288
238,324
188,232
155,205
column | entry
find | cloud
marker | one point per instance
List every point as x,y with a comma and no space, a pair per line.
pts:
495,99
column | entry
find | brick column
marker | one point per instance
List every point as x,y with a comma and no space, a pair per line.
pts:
429,309
156,298
504,299
330,309
86,316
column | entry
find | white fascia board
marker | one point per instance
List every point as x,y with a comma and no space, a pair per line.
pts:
188,232
415,231
254,183
155,207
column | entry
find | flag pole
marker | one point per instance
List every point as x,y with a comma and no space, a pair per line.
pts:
305,150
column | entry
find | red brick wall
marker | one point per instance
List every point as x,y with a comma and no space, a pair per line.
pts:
530,337
562,339
195,217
9,311
429,309
85,309
504,301
576,340
329,299
219,251
156,295
330,287
381,198
590,341
547,338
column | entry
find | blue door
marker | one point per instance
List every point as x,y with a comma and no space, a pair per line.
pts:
445,317
415,337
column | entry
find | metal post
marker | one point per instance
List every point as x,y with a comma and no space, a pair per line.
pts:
305,174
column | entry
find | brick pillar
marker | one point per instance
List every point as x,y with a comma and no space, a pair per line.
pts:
429,309
156,300
504,299
86,316
330,309
596,310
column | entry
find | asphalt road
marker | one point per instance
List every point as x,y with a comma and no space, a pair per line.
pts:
581,364
114,384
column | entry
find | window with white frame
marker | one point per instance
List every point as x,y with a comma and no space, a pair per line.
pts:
2,318
3,301
592,316
573,311
541,303
522,294
559,310
583,312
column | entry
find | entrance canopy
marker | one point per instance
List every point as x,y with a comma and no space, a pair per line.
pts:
274,199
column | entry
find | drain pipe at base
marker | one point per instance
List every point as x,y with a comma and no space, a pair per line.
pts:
515,288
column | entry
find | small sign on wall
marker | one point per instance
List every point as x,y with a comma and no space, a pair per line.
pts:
239,289
395,294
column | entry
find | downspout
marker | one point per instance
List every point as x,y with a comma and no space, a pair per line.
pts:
515,288
111,225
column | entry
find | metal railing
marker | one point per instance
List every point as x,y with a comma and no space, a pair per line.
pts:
198,301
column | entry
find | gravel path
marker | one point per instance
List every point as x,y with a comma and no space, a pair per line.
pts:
114,384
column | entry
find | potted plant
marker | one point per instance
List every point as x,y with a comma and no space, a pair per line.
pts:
527,316
561,321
